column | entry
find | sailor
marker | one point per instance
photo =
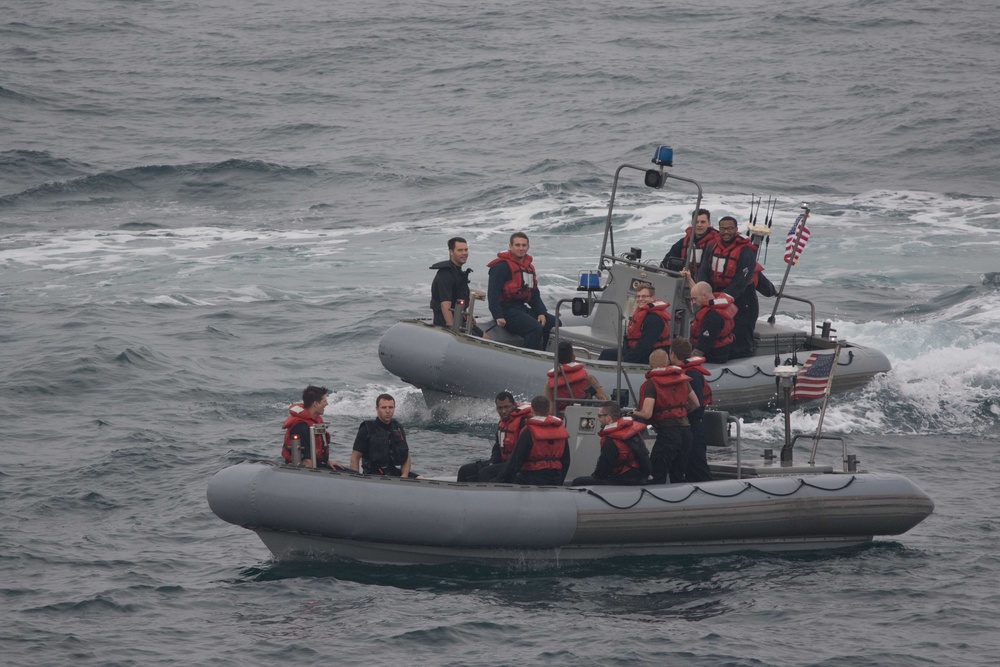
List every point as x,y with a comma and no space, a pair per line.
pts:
648,329
541,455
451,285
681,355
512,420
665,399
731,267
572,380
713,323
300,417
380,447
624,459
513,296
704,234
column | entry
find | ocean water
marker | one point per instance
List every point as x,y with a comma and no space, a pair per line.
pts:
206,206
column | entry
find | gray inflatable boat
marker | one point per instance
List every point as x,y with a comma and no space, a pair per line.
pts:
445,362
766,505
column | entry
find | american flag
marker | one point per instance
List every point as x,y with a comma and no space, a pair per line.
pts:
790,245
811,380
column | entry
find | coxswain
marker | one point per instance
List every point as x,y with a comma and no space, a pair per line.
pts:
704,234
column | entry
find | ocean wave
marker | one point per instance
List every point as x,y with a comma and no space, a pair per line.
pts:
229,181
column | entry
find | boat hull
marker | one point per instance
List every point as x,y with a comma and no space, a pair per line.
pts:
385,520
442,363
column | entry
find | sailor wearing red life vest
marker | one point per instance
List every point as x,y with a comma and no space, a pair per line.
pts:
713,323
512,420
541,455
300,417
648,329
513,296
665,399
624,459
731,266
704,234
572,380
697,469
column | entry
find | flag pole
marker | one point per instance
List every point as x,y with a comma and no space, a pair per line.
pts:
826,400
788,266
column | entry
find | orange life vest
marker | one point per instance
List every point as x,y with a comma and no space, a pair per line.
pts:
549,439
510,428
695,364
710,236
724,306
522,277
671,393
619,433
724,260
297,414
571,382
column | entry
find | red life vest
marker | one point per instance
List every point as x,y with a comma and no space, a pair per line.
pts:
724,306
671,393
297,414
662,310
522,277
709,237
575,375
695,364
549,439
619,433
755,278
510,428
724,260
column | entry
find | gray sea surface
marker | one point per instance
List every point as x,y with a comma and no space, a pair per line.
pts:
206,206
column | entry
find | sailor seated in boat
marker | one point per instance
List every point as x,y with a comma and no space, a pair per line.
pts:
572,380
648,329
541,455
513,296
380,447
624,459
300,417
513,417
665,399
451,286
713,323
704,234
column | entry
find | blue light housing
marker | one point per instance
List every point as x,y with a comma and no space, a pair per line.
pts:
590,280
664,156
